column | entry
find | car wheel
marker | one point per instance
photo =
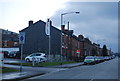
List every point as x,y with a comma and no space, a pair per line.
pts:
44,61
28,60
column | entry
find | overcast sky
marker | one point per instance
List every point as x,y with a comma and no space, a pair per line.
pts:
97,20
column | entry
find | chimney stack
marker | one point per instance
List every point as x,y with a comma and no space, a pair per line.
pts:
63,27
81,36
48,20
50,23
30,22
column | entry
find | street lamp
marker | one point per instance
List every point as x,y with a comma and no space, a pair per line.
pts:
62,25
65,14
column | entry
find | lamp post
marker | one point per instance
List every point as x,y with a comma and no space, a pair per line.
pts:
62,25
65,14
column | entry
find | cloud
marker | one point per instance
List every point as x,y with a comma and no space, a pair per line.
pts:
16,13
97,20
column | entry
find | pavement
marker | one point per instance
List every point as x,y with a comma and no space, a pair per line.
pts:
29,71
13,60
69,65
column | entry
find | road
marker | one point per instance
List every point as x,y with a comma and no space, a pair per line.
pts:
105,70
28,71
35,69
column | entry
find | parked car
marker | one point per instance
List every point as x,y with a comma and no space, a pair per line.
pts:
97,59
106,58
5,53
38,57
14,54
89,59
113,56
101,58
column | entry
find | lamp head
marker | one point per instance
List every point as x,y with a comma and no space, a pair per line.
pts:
77,12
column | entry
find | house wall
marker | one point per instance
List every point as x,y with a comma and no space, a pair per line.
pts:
37,41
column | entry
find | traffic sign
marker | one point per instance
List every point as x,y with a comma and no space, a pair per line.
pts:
1,59
77,51
21,37
21,41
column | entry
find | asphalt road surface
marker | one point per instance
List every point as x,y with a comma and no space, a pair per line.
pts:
105,70
13,60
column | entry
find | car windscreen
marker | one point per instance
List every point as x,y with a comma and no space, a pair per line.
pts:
13,52
89,58
31,55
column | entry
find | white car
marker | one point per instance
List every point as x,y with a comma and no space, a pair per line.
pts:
37,57
89,59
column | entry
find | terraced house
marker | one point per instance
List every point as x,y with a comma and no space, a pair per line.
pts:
9,39
73,47
36,39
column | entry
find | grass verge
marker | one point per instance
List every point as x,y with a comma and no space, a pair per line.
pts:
43,64
6,70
